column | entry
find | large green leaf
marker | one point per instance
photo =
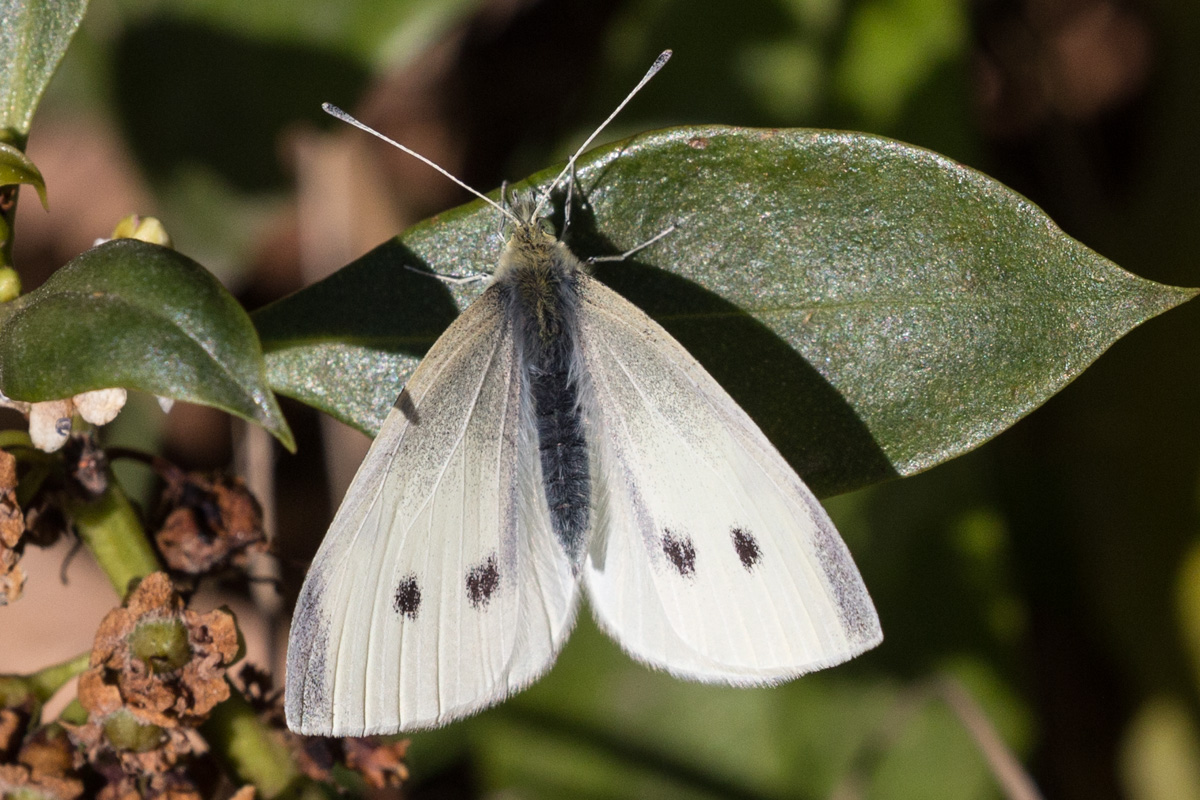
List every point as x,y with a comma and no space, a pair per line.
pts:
33,37
140,316
875,307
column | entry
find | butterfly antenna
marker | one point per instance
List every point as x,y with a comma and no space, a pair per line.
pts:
334,111
654,68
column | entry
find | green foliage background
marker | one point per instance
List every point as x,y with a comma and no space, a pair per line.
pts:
1054,572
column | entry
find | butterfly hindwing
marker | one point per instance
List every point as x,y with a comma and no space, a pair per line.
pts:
710,558
439,588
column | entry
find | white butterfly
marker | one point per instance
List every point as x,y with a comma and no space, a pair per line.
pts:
556,435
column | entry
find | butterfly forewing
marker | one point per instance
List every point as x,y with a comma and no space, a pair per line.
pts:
439,588
710,558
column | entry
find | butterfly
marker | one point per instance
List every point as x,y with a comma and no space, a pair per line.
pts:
556,441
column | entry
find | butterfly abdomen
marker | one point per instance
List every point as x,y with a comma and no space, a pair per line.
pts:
540,283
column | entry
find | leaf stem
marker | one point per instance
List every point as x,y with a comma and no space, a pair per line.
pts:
110,528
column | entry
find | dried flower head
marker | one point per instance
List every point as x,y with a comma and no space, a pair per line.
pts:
210,522
173,785
45,767
17,781
121,746
159,661
379,761
157,669
14,722
12,526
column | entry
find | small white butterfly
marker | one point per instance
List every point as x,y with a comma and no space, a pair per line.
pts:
554,435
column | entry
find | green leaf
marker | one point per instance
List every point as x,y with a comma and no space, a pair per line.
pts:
15,168
33,37
136,315
875,307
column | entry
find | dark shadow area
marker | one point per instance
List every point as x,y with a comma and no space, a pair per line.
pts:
810,423
191,94
457,781
403,311
680,771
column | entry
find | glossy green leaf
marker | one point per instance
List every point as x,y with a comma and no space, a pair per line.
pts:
33,37
136,315
877,308
16,168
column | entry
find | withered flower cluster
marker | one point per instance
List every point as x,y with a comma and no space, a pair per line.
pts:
209,522
157,670
12,526
44,764
379,760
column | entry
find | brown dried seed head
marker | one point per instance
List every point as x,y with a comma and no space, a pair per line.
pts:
17,781
8,471
175,784
49,753
45,522
209,522
13,724
45,768
153,752
163,663
12,578
381,763
12,527
314,756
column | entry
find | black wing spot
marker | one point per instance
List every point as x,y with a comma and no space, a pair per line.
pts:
746,546
680,552
408,597
482,582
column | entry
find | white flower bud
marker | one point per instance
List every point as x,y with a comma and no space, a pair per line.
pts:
101,406
50,424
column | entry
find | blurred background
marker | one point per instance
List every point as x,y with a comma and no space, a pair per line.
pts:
1046,586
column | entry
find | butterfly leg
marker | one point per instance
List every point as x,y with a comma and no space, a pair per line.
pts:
623,256
453,280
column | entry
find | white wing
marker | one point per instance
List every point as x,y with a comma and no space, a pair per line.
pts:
439,588
711,559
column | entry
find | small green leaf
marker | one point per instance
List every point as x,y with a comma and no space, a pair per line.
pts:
15,167
33,37
875,307
136,315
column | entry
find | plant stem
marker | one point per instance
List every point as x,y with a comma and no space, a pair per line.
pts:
15,437
8,216
251,752
48,680
36,689
110,528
